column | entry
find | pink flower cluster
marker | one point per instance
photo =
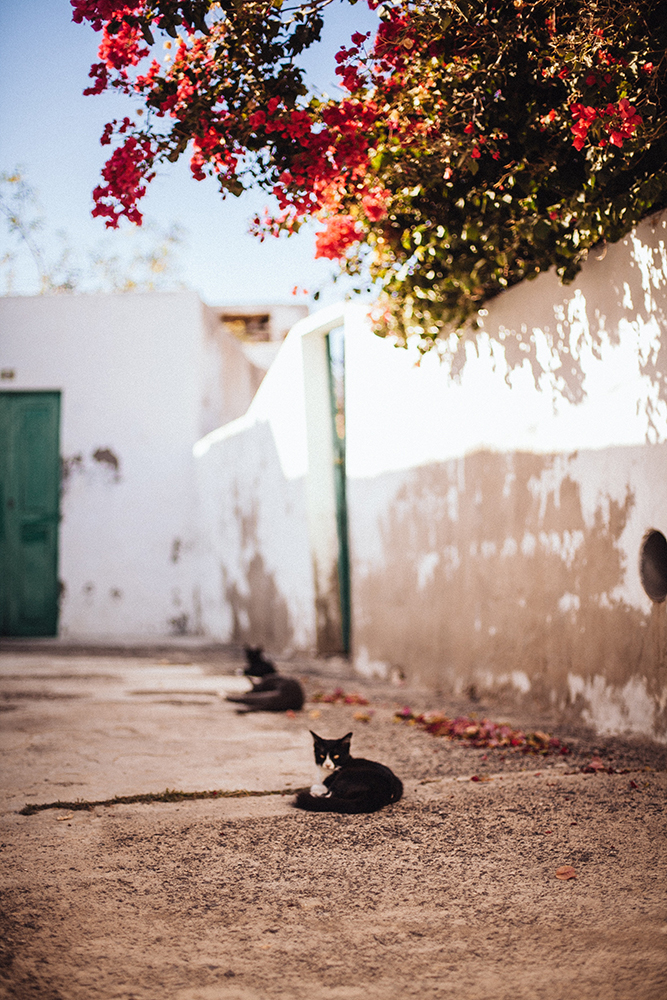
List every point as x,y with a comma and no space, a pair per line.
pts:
99,11
342,232
126,174
117,50
317,156
619,121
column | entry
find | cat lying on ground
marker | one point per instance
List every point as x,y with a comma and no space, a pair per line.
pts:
348,784
271,692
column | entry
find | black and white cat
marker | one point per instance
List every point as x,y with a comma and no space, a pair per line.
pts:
271,692
348,784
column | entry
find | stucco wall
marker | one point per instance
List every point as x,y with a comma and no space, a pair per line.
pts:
496,526
257,576
496,511
139,376
230,381
517,571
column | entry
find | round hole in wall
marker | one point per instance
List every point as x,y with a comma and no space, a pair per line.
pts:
653,564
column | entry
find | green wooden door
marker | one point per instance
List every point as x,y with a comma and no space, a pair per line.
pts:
29,493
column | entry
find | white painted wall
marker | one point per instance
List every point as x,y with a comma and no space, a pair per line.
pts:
269,525
140,377
494,525
401,416
476,595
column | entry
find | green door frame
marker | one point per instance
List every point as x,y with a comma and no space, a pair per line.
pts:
336,360
325,481
29,512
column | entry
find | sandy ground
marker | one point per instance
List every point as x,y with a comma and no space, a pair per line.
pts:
449,893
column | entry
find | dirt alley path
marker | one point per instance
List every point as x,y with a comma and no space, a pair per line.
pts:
449,893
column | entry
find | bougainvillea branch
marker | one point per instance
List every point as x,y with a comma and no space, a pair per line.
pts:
472,145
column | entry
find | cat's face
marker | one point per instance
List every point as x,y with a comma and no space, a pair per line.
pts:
330,754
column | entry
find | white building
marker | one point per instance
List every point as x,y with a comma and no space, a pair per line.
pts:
494,531
471,535
117,388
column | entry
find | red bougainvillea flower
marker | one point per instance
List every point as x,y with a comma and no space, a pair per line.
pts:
96,11
374,205
583,119
398,153
126,174
123,48
342,232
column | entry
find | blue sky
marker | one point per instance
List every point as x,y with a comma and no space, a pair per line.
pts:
52,132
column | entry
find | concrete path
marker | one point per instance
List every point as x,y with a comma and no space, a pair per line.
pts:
95,727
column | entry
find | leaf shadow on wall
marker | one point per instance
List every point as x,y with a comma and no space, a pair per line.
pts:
553,328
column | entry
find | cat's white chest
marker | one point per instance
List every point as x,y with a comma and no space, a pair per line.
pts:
319,789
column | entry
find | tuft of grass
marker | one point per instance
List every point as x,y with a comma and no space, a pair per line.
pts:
168,795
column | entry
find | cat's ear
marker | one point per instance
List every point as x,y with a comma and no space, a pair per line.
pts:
315,736
347,738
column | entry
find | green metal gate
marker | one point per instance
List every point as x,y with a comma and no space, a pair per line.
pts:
29,499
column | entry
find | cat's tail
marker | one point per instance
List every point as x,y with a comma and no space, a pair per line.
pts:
334,803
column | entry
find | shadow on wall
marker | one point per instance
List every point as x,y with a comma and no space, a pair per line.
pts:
260,615
614,295
491,575
259,577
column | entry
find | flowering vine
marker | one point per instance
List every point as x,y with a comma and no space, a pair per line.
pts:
468,149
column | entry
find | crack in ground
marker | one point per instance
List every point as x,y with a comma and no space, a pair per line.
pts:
169,795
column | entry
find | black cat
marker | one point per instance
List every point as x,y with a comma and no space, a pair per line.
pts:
348,784
271,693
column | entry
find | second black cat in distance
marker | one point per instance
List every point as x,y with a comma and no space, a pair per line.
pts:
271,692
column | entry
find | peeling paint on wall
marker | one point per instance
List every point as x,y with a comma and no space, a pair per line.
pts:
327,613
179,624
522,592
251,506
259,611
370,668
106,457
612,710
68,466
260,614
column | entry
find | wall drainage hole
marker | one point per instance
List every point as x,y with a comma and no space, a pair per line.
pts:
653,565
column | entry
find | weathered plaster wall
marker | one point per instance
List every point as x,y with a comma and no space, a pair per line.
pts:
496,526
258,574
519,572
137,375
258,585
229,380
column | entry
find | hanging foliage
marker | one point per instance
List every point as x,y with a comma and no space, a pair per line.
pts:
474,143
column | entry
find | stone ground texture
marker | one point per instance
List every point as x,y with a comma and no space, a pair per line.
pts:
449,893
